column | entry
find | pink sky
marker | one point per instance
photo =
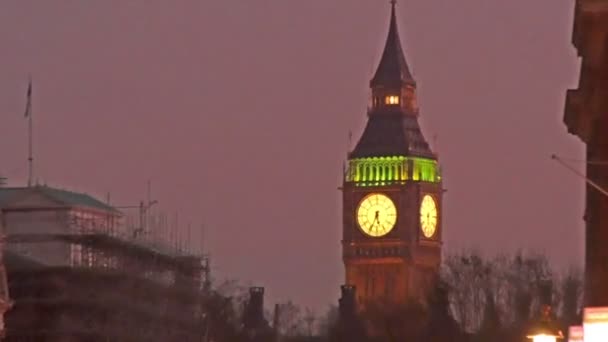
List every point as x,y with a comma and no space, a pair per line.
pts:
239,112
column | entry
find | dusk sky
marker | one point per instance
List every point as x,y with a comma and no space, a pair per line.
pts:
239,112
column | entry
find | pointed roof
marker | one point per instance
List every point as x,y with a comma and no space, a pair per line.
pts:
392,70
392,135
392,131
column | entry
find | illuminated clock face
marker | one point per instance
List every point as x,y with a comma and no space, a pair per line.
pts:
376,215
428,216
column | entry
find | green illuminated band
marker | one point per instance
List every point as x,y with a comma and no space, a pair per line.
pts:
392,170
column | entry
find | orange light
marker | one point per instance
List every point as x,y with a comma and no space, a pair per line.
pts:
391,100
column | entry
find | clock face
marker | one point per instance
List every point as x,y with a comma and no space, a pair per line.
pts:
428,216
376,215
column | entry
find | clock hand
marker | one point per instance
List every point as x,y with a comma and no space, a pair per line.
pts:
377,219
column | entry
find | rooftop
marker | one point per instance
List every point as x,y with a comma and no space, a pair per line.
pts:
64,197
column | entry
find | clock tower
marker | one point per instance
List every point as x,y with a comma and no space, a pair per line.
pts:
392,192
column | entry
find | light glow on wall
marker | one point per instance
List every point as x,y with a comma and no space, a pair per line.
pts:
595,324
575,334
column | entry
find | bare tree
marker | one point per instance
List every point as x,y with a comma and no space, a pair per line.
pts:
328,321
310,318
499,296
391,322
571,295
291,320
469,277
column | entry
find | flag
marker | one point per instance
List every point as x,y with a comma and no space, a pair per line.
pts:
28,106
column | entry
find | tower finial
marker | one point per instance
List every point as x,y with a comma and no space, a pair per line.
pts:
392,71
393,15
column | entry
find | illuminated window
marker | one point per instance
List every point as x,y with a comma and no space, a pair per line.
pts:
391,100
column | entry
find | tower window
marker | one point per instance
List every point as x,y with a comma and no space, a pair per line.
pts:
391,100
376,101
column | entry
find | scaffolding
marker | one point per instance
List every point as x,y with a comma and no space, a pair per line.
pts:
126,279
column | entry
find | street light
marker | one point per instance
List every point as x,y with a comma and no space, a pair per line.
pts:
543,338
545,329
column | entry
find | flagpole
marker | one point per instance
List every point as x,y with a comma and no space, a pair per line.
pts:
30,157
28,115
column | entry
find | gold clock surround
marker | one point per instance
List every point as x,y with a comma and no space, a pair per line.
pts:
428,216
376,215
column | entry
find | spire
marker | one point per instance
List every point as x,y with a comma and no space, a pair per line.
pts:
392,128
392,70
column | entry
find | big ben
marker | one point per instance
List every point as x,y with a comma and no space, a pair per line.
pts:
392,191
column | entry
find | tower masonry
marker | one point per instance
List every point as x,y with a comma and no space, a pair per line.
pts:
392,191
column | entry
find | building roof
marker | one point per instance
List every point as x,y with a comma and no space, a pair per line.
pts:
65,197
6,194
392,134
393,70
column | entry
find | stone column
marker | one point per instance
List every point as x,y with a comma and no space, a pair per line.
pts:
596,215
587,117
